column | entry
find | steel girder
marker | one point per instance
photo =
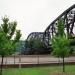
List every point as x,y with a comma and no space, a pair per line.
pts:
68,17
35,35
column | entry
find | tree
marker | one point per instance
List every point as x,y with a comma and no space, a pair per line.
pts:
35,46
60,43
39,46
30,46
7,45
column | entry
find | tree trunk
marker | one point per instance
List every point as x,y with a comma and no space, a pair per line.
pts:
20,61
2,65
63,65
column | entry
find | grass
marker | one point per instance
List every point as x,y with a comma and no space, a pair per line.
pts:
49,70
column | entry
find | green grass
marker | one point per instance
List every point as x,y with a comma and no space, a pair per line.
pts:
39,70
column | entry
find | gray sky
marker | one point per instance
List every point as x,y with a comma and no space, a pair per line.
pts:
33,15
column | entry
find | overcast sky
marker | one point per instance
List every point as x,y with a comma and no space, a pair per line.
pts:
33,15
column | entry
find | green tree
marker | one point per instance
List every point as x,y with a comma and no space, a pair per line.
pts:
39,46
35,46
7,45
60,43
30,46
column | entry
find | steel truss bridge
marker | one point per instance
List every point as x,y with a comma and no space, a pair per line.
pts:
68,17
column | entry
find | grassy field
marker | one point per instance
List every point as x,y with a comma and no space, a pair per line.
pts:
49,70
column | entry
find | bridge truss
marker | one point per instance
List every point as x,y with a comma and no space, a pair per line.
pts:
68,17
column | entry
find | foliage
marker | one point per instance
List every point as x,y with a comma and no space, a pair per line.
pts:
72,46
60,46
35,46
60,26
7,30
20,48
38,46
6,45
